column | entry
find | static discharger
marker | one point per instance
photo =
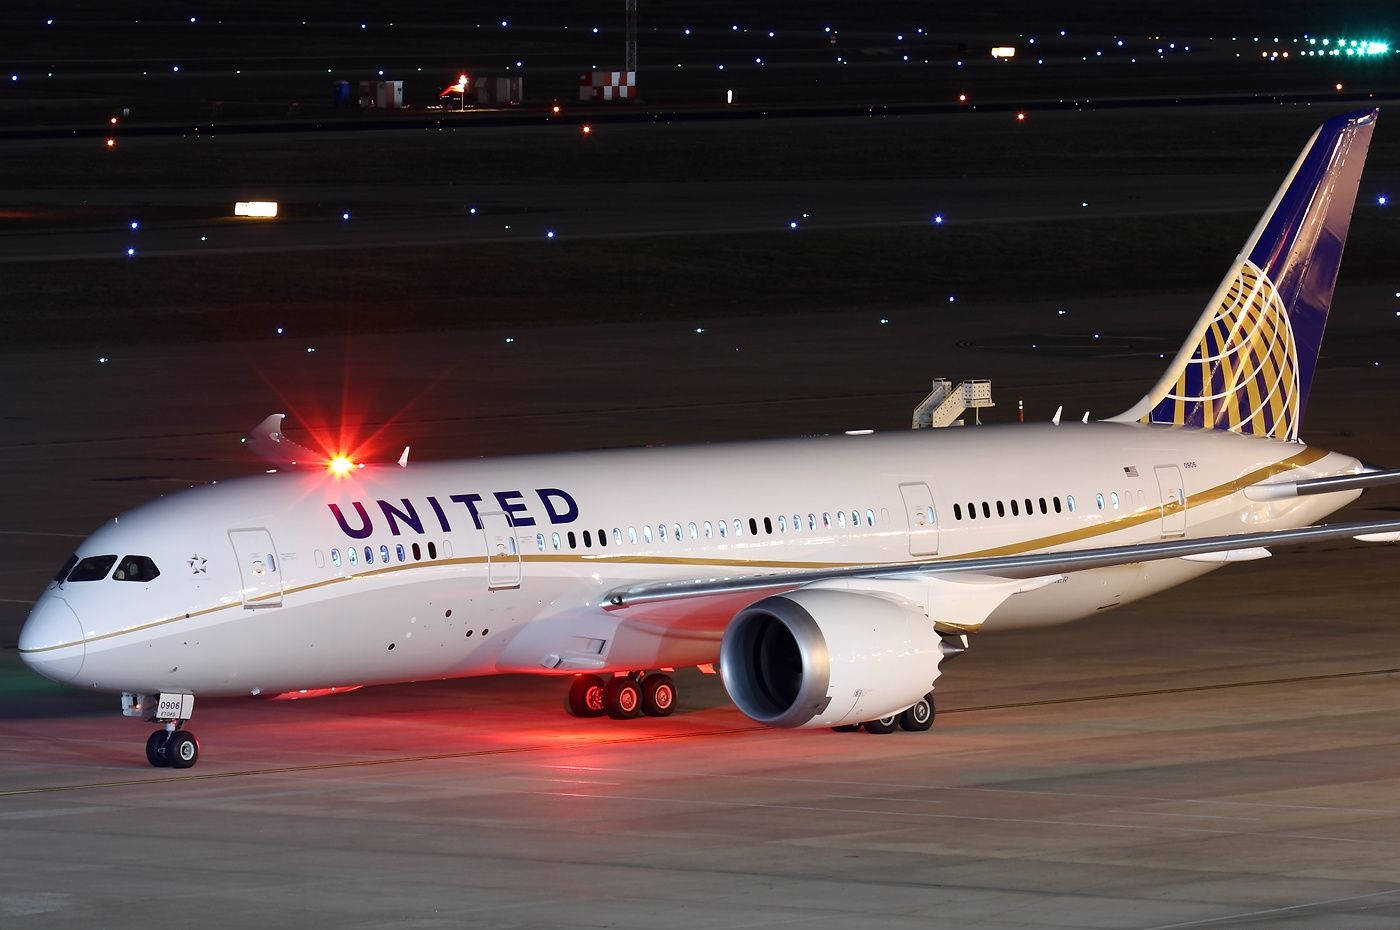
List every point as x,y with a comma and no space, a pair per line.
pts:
256,209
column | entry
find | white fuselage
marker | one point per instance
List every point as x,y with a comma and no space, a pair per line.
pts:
499,565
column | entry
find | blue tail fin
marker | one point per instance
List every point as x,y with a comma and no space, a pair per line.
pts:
1248,365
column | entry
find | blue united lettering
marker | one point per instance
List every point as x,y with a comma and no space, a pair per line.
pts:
553,506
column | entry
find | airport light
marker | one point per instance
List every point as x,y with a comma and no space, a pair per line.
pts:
1003,51
587,130
111,143
1021,116
256,209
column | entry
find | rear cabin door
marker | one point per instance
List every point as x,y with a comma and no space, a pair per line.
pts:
258,567
1173,492
502,551
923,519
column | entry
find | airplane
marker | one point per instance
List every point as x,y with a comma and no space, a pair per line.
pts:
829,578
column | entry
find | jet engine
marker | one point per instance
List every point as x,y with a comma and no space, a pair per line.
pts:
820,657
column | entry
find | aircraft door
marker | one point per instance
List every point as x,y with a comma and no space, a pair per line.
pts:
502,551
258,567
923,519
1173,492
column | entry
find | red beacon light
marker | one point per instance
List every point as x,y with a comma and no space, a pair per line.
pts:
1020,116
556,109
340,466
962,98
587,130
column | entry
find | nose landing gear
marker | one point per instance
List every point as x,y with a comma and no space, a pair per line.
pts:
171,746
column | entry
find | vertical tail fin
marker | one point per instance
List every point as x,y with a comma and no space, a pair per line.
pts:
1248,364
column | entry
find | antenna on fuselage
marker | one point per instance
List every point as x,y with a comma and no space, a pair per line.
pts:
403,459
1056,418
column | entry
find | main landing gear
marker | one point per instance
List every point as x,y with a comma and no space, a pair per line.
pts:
171,746
623,697
916,719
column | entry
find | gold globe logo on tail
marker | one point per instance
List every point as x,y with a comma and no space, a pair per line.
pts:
1243,376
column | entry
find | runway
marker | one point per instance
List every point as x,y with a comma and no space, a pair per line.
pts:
1224,754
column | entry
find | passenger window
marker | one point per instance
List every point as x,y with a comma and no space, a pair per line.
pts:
554,541
617,535
841,519
136,568
398,551
1113,499
1042,506
971,510
812,522
1029,509
1015,508
510,547
1069,502
1056,502
417,553
677,528
384,554
694,531
432,548
646,533
573,540
1001,509
369,555
870,518
797,523
587,540
632,534
349,555
335,557
782,523
603,538
826,521
539,541
1098,499
986,510
722,528
753,527
660,532
768,525
271,562
957,511
709,530
319,558
738,527
855,519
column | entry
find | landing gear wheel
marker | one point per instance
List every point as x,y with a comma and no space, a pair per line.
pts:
918,718
182,750
846,728
156,749
658,695
883,725
622,698
586,696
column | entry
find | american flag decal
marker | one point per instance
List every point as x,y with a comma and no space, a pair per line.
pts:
1130,471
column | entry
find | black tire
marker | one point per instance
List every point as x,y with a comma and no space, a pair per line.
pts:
883,725
586,696
658,695
622,698
182,750
155,749
918,718
846,728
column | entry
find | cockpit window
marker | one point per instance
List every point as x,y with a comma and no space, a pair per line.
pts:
93,568
135,568
67,567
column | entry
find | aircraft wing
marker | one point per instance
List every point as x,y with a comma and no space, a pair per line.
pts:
1241,546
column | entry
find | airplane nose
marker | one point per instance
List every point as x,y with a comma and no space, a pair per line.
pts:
51,640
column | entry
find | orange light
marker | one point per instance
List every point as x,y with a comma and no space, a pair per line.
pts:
113,121
462,79
588,130
340,466
962,98
1339,87
555,109
1021,116
111,143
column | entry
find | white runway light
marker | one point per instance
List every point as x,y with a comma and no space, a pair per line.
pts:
255,209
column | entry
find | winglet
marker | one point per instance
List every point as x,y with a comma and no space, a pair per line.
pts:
266,441
403,459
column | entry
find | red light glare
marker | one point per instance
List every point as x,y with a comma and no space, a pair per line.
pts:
340,466
587,129
555,109
1021,117
111,143
1339,87
305,693
113,121
962,98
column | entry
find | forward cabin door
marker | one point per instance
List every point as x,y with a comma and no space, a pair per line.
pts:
258,567
1173,492
923,519
502,551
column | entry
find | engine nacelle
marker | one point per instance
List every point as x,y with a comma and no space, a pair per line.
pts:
824,657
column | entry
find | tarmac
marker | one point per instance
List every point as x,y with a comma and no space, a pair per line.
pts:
1224,754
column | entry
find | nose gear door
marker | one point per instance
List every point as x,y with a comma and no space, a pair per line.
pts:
502,551
258,567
